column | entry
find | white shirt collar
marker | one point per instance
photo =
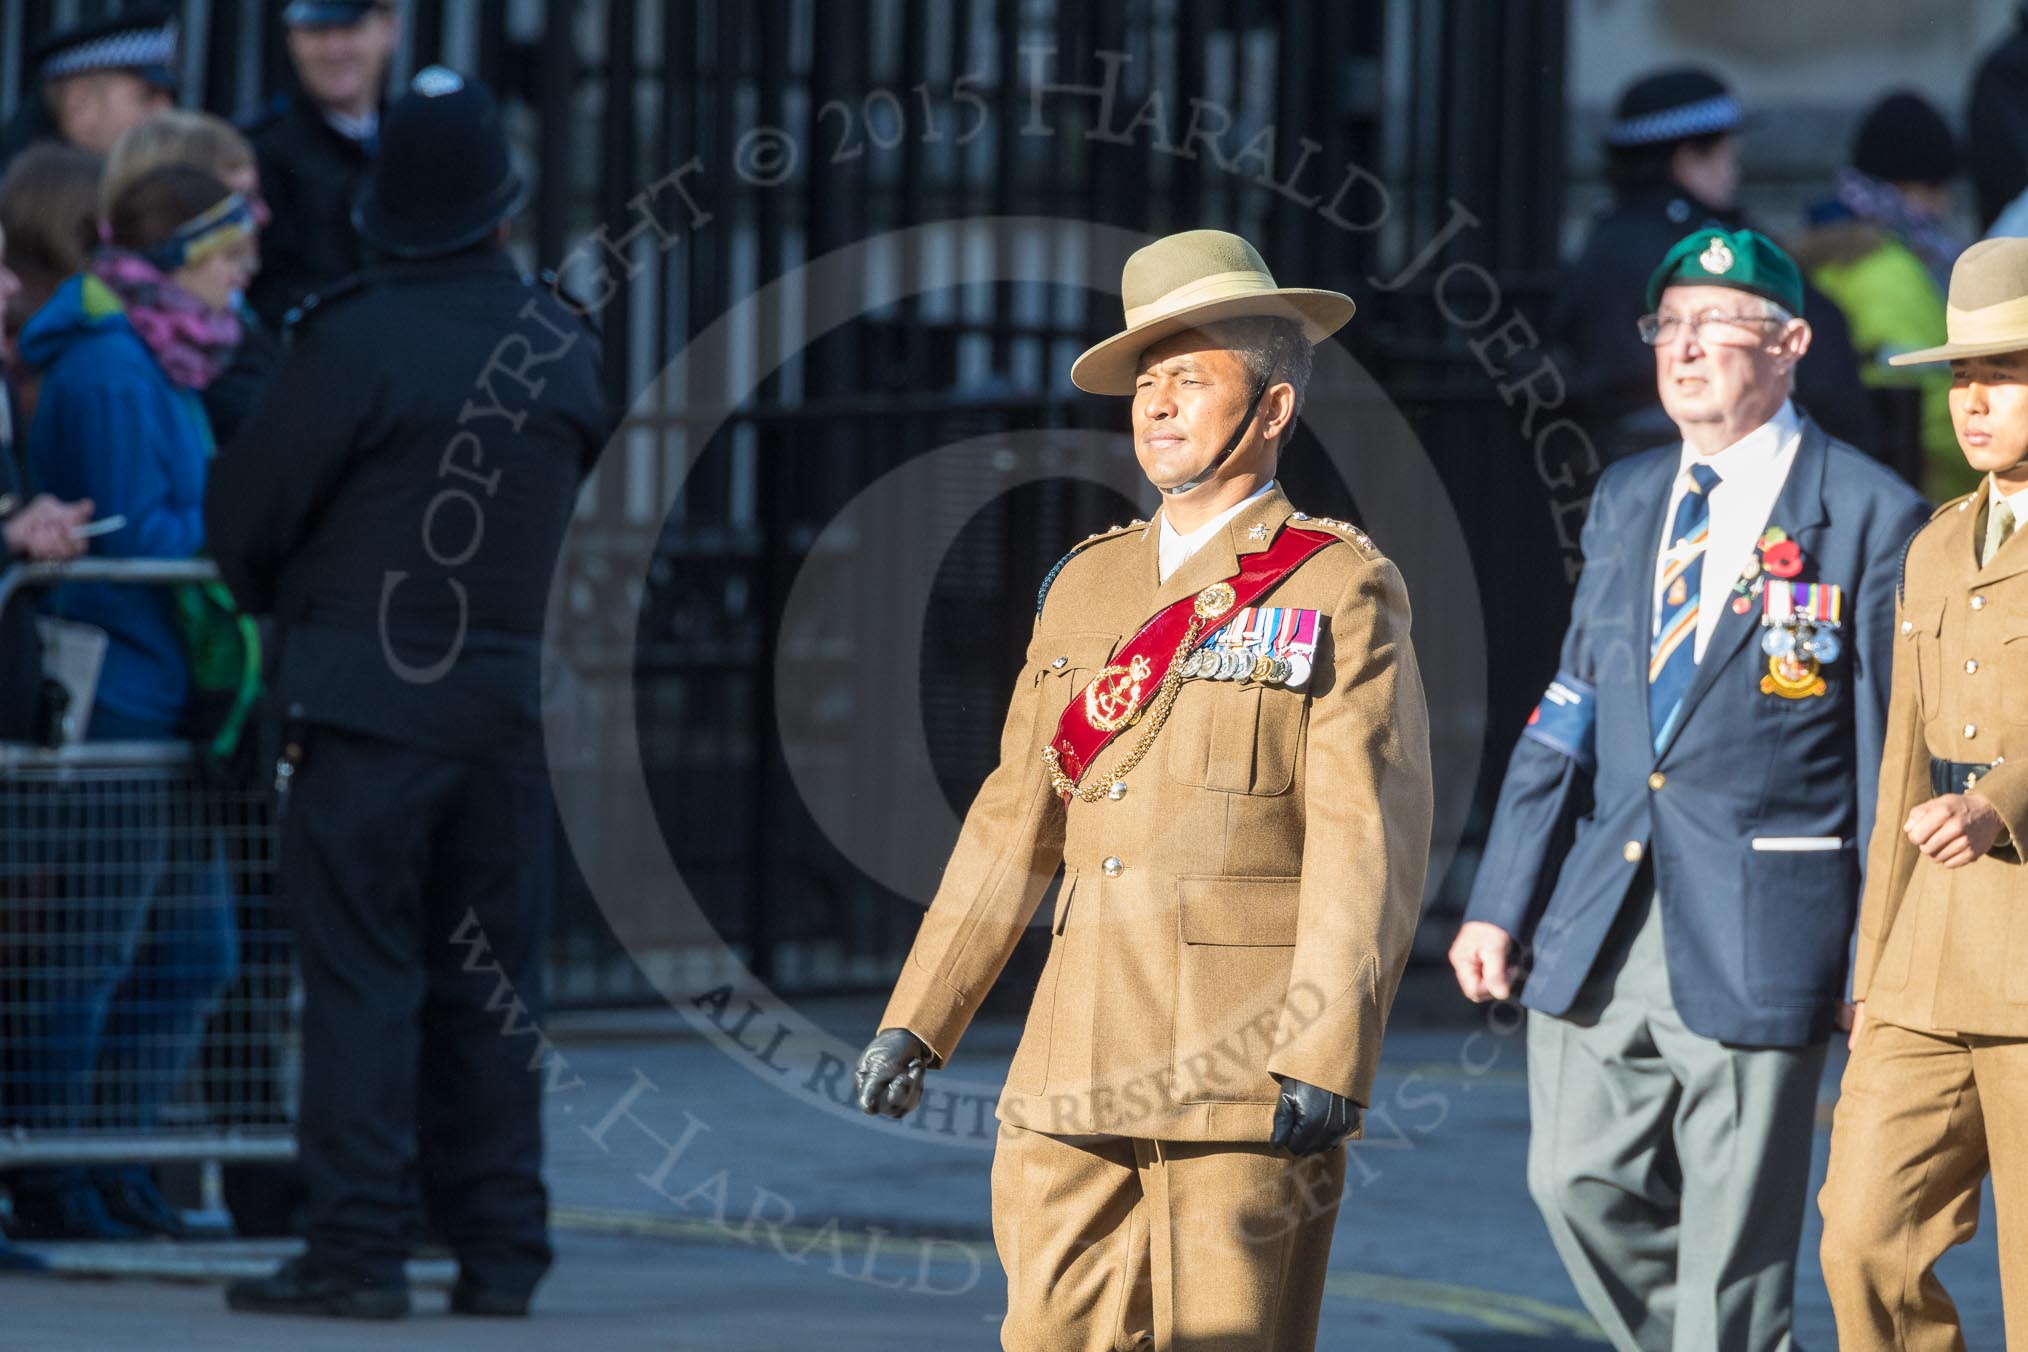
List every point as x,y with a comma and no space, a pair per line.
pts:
1176,548
2017,501
1758,450
359,128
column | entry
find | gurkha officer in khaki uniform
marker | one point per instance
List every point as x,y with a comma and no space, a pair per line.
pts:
1936,1094
1219,736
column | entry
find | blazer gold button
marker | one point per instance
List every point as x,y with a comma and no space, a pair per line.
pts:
1113,867
1118,790
1631,852
1978,603
1657,780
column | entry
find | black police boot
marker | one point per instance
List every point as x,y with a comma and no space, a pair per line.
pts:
132,1199
70,1209
469,1297
299,1286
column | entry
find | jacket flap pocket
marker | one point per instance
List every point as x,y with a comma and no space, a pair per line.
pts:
1075,655
1238,910
1921,616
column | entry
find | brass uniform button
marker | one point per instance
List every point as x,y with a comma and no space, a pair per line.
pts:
1978,603
1657,780
1631,852
1908,626
1971,731
1113,867
1059,664
1972,667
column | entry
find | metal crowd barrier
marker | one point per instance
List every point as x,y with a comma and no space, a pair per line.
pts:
148,997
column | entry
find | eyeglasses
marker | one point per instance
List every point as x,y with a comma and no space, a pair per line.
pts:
1710,328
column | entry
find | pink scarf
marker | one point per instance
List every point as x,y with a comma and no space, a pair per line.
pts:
191,341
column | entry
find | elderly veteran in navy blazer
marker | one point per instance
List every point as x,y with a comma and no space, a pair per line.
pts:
1677,843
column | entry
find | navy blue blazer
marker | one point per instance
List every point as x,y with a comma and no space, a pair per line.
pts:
1757,940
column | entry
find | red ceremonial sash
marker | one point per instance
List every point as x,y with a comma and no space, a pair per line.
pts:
1136,671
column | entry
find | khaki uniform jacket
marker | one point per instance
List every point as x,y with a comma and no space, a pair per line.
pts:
1244,908
1947,949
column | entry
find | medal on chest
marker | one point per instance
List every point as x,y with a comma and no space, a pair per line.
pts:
1799,633
1266,645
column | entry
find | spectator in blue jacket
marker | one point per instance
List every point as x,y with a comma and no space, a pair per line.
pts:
125,348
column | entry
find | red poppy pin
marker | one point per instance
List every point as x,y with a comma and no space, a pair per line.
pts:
1782,559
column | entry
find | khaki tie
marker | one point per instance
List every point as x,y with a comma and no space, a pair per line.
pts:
1999,525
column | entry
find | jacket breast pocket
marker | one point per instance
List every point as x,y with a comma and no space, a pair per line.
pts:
2014,672
1235,738
1922,625
1066,663
1232,979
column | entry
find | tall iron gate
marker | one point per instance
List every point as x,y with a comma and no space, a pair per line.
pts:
689,154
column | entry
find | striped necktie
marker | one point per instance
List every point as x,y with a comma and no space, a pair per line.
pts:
1673,661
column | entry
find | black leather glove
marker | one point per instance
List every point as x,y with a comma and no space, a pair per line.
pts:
888,1080
1309,1120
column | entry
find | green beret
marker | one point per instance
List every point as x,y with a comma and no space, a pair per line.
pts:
1744,260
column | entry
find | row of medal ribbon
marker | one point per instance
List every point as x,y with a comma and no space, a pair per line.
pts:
1271,645
1802,620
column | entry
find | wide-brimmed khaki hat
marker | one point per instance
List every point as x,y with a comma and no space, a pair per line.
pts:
1187,281
1988,309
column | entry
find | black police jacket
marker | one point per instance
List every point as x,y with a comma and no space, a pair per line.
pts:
1610,372
310,174
398,496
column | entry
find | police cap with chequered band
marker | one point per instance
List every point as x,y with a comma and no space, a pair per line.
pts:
329,13
141,41
1673,105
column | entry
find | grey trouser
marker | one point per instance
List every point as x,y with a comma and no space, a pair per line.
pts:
1672,1170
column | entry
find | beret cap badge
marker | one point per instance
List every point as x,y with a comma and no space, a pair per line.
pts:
1717,257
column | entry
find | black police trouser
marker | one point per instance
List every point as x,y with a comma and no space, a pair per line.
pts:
419,886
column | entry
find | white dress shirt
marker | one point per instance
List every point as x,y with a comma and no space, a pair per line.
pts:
1751,472
1176,547
361,128
2017,503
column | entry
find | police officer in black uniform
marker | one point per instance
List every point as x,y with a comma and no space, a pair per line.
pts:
314,154
1672,156
91,83
397,501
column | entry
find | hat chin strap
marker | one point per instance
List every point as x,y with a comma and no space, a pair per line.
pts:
1204,475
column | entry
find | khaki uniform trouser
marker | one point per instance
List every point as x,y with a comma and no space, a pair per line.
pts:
1119,1244
1922,1118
